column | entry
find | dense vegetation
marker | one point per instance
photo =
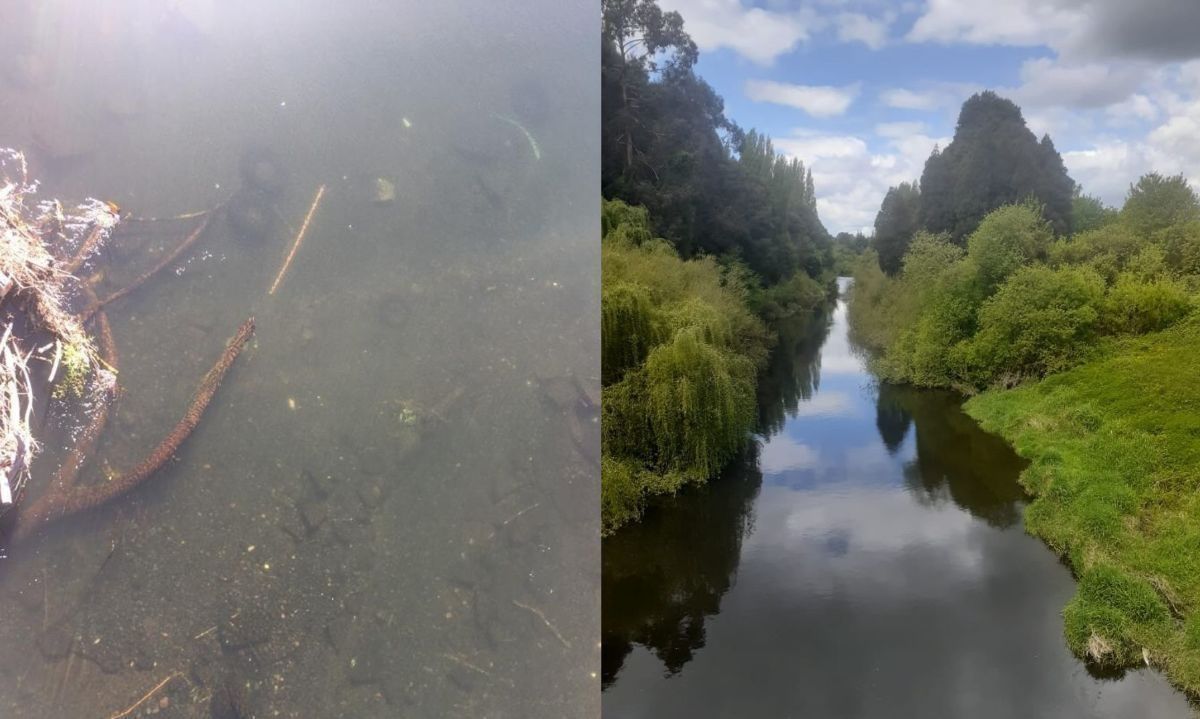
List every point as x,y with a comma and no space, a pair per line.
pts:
1020,302
710,187
993,160
710,237
1115,450
680,353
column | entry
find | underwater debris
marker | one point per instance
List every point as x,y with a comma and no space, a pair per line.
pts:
36,242
385,191
287,262
533,144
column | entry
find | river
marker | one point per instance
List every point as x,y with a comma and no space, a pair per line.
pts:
390,507
867,560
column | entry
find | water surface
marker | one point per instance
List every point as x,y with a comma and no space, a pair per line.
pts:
306,555
867,561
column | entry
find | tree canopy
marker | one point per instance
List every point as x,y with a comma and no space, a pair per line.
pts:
710,187
897,222
994,160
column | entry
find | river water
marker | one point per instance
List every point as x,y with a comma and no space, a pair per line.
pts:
390,507
867,560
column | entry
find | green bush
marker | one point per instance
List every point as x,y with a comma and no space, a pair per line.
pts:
793,296
1007,239
701,403
1135,305
1040,320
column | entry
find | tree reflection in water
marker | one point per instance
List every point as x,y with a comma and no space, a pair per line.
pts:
665,575
954,458
793,373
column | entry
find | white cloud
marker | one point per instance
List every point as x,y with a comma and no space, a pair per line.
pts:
816,100
1134,109
760,35
909,99
900,129
939,96
986,22
1106,170
1047,82
1087,29
850,178
857,27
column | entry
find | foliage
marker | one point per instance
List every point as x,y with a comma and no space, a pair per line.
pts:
1039,321
994,160
1007,239
627,328
895,225
667,145
1156,202
1020,304
76,368
798,295
1136,305
681,349
1089,213
1115,470
846,249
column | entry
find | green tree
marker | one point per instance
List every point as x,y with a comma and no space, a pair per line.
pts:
1039,321
640,32
1157,202
1089,213
994,160
895,224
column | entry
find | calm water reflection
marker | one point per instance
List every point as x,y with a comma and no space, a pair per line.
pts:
869,562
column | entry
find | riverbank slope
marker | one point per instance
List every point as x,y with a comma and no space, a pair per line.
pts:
1114,446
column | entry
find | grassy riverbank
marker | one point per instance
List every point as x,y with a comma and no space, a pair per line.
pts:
1115,452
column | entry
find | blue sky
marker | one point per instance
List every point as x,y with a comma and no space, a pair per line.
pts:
861,90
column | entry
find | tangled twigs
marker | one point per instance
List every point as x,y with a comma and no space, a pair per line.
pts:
64,479
164,262
77,499
33,290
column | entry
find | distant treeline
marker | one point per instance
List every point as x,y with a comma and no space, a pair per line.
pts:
710,187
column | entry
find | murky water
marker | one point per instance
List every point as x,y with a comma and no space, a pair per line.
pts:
390,507
867,561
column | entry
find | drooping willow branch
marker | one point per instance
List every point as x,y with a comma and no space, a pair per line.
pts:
77,499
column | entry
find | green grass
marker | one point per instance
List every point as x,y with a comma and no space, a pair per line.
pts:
1114,446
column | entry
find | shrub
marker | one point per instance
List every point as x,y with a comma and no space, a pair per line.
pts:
1135,305
1039,321
1007,239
